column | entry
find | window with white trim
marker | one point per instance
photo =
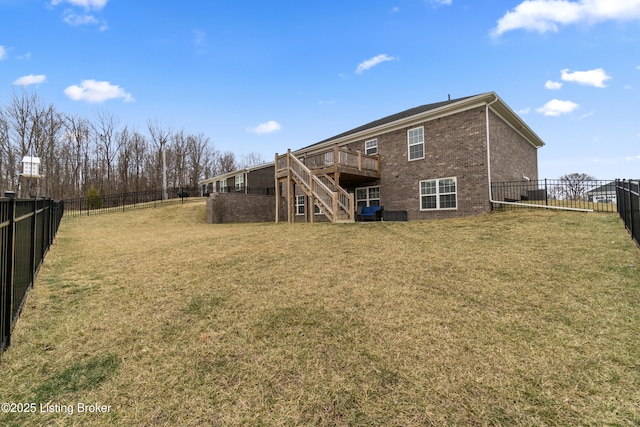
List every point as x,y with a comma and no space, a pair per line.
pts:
415,143
371,146
240,182
439,194
300,205
223,185
367,196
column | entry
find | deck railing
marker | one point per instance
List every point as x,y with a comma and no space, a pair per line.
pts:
312,183
346,158
330,196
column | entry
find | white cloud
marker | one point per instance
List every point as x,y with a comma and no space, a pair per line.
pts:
3,53
87,4
445,2
93,91
555,107
547,15
77,20
552,85
30,80
264,128
369,63
595,77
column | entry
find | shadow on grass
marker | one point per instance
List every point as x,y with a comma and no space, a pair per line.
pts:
80,376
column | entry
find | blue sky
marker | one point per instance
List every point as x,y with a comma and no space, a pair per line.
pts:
266,76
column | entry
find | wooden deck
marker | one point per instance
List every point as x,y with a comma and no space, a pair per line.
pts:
319,177
324,163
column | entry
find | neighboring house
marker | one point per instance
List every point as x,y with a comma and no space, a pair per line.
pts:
432,161
603,194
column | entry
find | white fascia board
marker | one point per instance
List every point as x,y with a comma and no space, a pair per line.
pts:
502,110
234,173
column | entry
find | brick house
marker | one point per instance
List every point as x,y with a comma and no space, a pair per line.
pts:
432,161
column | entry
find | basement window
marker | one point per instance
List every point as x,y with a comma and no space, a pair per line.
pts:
438,194
299,205
368,196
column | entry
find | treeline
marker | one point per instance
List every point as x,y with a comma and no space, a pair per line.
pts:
100,152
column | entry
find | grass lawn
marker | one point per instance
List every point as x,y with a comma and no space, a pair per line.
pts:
514,318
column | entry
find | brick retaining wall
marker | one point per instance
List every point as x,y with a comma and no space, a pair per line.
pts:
238,207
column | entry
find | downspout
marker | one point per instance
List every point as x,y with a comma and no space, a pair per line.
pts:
489,176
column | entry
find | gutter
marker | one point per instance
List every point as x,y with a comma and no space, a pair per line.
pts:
489,175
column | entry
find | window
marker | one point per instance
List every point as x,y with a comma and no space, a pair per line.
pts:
438,194
300,205
240,182
371,147
415,141
367,196
223,186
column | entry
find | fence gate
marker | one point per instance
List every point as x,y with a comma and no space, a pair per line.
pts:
27,229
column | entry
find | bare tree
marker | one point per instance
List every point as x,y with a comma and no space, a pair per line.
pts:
7,156
139,147
576,185
160,138
26,115
108,147
251,159
178,162
52,126
199,157
77,139
226,162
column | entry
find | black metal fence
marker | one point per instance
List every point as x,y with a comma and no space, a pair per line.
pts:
597,195
27,229
628,194
97,204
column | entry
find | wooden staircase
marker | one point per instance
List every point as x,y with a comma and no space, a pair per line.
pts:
334,201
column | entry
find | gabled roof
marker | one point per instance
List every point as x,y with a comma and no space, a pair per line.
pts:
429,111
416,115
395,117
609,187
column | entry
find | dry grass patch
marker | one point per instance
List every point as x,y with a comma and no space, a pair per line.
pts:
517,318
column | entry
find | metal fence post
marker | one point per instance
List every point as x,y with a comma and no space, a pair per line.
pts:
34,230
546,193
9,259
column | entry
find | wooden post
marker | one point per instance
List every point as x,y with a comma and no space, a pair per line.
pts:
336,157
352,207
312,202
277,190
334,207
359,159
292,200
289,186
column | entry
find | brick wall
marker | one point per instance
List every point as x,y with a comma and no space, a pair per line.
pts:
239,207
511,155
261,178
455,146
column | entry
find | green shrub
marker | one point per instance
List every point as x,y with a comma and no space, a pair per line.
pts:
93,198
